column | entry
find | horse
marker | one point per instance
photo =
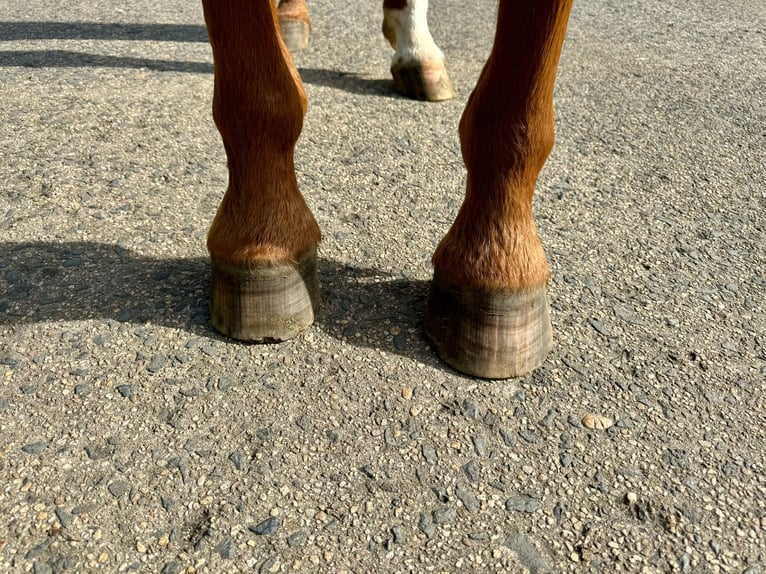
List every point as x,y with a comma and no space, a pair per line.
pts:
487,313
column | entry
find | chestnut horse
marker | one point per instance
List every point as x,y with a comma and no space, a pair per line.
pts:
487,313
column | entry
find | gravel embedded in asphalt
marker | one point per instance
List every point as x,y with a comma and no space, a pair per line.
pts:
134,437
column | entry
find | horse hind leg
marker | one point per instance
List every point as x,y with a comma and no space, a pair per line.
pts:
294,24
418,64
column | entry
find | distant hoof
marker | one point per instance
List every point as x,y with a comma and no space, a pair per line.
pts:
489,334
423,82
295,33
264,302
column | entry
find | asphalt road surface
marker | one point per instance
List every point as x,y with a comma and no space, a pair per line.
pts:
134,438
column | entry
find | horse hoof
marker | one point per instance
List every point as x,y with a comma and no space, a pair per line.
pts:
494,335
264,301
295,33
429,82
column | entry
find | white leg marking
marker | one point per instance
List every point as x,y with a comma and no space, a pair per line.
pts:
414,43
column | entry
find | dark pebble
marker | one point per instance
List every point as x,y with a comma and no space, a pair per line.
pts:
429,453
398,535
297,539
528,436
167,503
549,418
509,438
172,567
73,262
238,460
84,509
426,525
625,423
600,328
34,447
209,350
467,497
193,343
11,359
64,518
574,421
35,551
479,444
268,526
478,536
177,463
64,564
528,553
82,389
267,564
227,549
444,515
676,457
42,568
558,511
156,364
27,389
225,383
125,390
367,471
523,503
491,419
98,452
400,342
731,469
441,493
715,547
469,409
118,489
4,404
471,470
102,339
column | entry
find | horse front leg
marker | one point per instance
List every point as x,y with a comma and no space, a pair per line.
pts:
417,65
488,312
263,239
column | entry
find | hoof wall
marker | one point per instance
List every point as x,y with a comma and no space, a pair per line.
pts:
489,334
295,33
264,302
429,83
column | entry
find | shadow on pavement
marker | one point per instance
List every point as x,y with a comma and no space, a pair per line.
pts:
20,31
72,59
349,82
44,281
23,31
